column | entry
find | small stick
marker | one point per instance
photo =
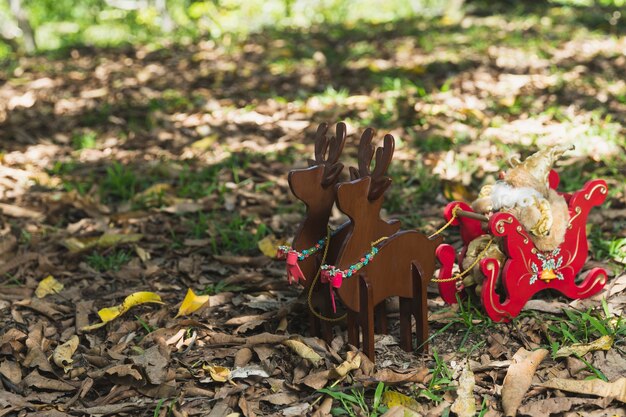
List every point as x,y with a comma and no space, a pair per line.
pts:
472,215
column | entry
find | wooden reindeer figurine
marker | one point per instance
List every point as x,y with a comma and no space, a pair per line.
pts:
315,186
367,272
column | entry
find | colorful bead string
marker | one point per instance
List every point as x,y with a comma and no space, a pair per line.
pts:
352,269
334,276
284,250
306,252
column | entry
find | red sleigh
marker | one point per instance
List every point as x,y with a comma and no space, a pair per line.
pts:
526,270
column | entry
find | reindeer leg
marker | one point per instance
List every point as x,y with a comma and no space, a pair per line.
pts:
420,308
314,325
325,325
380,315
406,335
314,322
353,328
366,307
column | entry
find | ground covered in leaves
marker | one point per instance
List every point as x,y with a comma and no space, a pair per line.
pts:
137,170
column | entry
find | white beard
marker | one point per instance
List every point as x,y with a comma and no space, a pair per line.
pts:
505,196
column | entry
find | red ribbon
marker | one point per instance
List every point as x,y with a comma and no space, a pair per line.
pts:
294,273
333,277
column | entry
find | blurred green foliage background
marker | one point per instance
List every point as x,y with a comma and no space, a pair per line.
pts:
58,24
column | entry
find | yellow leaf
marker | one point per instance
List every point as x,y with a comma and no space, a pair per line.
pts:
581,349
204,143
303,350
218,373
269,245
393,399
155,195
47,286
141,297
107,240
110,313
62,355
93,326
192,303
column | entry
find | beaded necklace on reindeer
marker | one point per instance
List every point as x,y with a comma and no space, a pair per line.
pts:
292,257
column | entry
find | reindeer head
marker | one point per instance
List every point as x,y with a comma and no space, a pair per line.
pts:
380,182
316,185
366,187
361,198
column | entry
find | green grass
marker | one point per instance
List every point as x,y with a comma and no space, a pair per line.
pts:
199,184
218,287
147,327
604,245
237,235
84,140
583,327
440,382
112,262
119,184
354,403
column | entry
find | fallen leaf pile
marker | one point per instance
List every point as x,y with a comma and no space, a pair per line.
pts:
143,193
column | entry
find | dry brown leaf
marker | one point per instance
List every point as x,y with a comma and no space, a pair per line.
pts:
303,351
554,405
245,407
62,355
389,376
465,405
242,357
281,398
519,377
324,409
612,364
352,362
581,349
264,338
154,362
125,371
20,212
11,371
34,379
317,380
615,389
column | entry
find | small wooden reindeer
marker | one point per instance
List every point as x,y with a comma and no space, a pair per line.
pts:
315,186
366,273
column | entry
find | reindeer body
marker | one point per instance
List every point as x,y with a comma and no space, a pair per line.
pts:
391,267
403,266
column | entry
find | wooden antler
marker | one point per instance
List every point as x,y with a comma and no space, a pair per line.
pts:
380,182
334,147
